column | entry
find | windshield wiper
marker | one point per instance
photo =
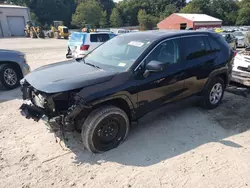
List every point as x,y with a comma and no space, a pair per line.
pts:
92,65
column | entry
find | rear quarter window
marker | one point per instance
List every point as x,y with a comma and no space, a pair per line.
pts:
99,37
77,37
215,46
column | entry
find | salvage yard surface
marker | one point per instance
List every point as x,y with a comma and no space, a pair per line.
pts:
180,145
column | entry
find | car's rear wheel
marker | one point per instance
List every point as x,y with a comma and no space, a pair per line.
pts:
104,129
9,77
214,93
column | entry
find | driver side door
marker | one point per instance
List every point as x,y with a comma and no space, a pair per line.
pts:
160,88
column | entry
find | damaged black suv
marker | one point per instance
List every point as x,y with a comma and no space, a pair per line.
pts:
125,78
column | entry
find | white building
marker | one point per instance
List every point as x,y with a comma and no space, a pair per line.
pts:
13,20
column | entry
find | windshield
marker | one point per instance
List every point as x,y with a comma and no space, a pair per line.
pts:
118,53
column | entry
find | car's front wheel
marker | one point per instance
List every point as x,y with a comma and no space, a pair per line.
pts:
214,93
104,129
9,77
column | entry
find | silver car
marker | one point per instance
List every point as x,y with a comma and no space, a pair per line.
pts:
13,67
240,39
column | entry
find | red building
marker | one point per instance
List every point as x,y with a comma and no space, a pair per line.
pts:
178,21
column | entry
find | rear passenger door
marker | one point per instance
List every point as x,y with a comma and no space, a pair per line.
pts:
96,39
199,62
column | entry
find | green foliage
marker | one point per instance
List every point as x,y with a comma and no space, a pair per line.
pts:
115,18
244,16
197,6
88,12
226,10
169,9
157,8
34,18
104,20
146,21
126,12
191,8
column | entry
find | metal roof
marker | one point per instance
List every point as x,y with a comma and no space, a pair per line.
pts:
199,17
11,6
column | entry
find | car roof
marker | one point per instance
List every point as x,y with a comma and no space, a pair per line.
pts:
161,34
83,33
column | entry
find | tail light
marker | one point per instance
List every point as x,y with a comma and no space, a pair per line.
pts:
235,53
84,48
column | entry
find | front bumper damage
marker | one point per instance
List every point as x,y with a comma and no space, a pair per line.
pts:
47,110
30,111
241,77
241,68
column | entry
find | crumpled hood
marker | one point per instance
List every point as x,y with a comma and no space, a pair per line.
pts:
66,76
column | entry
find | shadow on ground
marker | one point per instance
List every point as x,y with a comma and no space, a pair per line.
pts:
7,95
171,131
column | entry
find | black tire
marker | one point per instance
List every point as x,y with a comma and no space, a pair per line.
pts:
108,120
207,93
3,81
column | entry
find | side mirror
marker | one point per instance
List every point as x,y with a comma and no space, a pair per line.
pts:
153,66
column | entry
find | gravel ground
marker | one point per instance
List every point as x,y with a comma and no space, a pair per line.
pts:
180,145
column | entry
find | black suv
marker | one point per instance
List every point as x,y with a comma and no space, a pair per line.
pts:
125,78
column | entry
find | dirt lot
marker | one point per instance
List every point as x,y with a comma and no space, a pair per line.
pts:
180,145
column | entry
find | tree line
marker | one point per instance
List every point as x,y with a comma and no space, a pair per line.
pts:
145,13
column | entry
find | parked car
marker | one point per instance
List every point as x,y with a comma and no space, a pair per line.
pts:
124,79
13,67
119,31
241,68
231,39
240,39
80,43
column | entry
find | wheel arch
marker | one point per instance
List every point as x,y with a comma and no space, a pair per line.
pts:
221,73
122,101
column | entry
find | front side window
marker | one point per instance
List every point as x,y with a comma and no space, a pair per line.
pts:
167,53
195,47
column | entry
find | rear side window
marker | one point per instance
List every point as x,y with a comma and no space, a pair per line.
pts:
215,47
99,37
194,47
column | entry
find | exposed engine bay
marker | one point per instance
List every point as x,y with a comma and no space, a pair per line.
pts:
57,110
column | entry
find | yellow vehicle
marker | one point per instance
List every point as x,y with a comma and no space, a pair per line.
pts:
219,30
33,31
58,30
